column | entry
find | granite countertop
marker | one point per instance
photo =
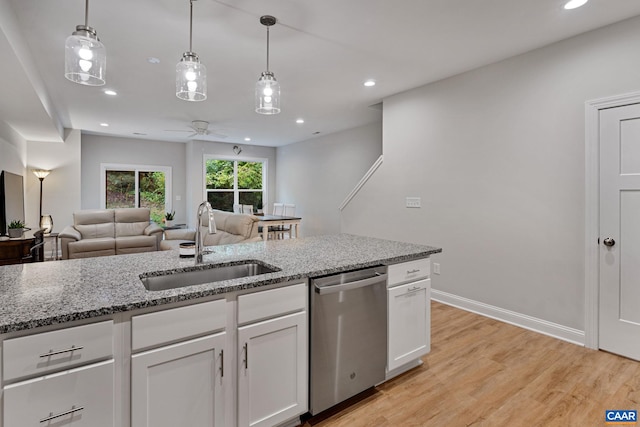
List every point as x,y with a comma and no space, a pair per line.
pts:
48,293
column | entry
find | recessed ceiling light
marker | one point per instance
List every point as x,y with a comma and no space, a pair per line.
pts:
153,60
110,92
104,124
300,121
247,139
573,4
370,83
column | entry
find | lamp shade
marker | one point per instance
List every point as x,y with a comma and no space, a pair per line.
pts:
41,173
267,94
46,223
85,57
191,78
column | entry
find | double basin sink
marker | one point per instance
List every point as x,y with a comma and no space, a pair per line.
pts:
205,273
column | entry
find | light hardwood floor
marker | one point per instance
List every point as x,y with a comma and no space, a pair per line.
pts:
482,372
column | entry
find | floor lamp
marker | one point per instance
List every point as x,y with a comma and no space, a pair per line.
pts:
46,222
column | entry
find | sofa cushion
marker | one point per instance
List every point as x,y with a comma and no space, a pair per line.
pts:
100,246
131,221
94,224
136,244
237,224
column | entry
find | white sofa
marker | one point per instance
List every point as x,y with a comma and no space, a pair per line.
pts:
231,228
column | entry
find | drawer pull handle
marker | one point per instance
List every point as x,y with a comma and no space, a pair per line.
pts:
221,363
68,350
62,414
415,288
413,271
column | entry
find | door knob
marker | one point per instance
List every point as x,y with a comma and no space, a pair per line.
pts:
609,242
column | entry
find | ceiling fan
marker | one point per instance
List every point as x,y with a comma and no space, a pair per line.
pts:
199,128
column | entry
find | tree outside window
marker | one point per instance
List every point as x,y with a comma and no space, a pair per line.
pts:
230,182
131,187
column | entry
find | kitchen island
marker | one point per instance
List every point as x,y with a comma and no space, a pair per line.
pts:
50,293
85,343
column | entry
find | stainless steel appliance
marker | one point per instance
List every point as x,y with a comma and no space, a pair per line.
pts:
348,348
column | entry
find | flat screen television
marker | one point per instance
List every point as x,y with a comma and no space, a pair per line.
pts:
11,199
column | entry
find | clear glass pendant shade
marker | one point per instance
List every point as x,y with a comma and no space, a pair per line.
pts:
267,94
85,58
191,78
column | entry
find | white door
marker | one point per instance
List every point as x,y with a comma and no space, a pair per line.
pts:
179,385
272,376
619,310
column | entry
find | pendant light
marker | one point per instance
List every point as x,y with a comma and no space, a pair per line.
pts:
191,75
85,58
267,87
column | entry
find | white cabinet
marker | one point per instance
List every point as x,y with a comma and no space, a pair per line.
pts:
179,384
59,395
409,313
272,356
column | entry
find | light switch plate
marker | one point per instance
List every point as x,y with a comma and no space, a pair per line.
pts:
413,202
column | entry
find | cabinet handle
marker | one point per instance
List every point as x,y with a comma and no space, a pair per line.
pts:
413,289
413,271
68,350
221,363
62,414
246,356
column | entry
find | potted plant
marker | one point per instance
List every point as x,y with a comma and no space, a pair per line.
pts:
168,218
17,228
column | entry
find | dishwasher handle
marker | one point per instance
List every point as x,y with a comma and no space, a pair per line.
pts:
322,290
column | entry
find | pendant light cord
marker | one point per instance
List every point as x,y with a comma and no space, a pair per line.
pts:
86,13
267,47
190,26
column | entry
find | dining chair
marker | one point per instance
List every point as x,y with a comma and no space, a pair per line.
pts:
237,208
247,209
288,210
278,209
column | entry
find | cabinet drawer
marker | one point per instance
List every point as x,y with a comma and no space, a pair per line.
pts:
53,351
275,302
177,323
79,397
412,270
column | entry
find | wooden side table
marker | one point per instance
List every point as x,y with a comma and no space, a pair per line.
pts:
15,251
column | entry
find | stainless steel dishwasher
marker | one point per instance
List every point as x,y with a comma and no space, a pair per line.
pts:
348,346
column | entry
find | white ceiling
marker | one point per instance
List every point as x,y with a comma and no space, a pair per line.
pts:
321,53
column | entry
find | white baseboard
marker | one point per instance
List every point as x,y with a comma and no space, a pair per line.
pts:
555,330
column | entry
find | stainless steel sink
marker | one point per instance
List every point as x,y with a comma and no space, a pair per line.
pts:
206,273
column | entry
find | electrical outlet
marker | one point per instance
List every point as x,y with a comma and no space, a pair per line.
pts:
436,268
413,202
178,198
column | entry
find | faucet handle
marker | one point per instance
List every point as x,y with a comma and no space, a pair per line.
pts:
212,222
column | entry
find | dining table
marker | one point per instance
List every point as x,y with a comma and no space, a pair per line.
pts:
269,220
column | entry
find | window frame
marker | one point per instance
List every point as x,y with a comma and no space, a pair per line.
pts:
123,167
235,189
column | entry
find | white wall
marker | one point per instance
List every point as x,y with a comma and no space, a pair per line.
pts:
497,155
97,149
13,150
195,152
319,173
61,189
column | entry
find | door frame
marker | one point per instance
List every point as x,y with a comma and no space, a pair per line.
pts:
592,209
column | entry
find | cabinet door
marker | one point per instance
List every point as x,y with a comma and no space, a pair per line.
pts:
273,370
179,385
409,322
81,397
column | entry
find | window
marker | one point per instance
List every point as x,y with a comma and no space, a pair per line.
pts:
230,182
133,186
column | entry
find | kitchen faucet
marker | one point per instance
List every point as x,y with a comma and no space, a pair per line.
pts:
200,251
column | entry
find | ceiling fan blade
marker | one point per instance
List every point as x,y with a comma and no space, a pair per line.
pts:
177,130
